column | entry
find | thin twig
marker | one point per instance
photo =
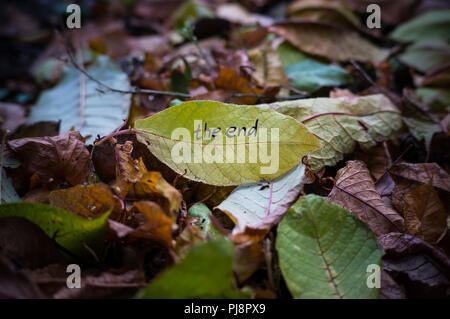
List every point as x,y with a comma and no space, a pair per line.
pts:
363,73
134,91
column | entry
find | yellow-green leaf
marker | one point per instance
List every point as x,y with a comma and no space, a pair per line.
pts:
253,143
70,231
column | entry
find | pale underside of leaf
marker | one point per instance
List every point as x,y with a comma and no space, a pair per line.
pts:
80,103
324,251
262,205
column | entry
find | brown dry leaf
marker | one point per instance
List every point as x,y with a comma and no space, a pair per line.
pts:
229,79
354,190
422,173
133,179
329,41
376,160
249,257
269,70
425,215
56,158
157,226
90,201
324,11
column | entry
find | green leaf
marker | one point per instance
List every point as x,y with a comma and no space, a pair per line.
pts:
340,123
431,24
310,75
262,205
80,102
420,123
69,230
289,54
215,161
201,213
206,272
324,251
426,54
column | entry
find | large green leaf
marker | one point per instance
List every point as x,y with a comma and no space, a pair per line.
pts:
324,251
262,205
206,272
431,24
294,141
69,230
79,102
342,122
310,75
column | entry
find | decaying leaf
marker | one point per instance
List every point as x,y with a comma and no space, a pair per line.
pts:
424,213
134,180
87,201
422,173
354,190
327,40
340,123
55,158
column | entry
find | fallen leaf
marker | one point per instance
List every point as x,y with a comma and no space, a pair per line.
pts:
26,244
157,133
422,173
426,54
156,226
269,70
205,272
324,251
76,102
56,158
340,123
429,25
134,180
425,267
87,201
425,215
310,75
324,11
354,190
262,205
327,40
70,231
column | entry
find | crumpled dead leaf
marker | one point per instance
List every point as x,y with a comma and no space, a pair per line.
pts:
88,201
424,214
355,191
135,181
56,158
